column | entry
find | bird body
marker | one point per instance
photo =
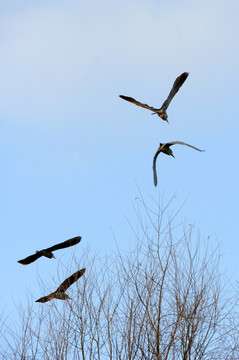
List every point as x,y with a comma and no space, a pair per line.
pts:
48,252
61,296
165,148
162,113
45,253
60,291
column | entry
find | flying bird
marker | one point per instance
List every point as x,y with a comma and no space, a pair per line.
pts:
48,252
60,291
162,111
165,148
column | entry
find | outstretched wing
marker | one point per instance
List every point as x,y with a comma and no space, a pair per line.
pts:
30,259
65,244
183,143
176,86
130,99
46,298
70,280
154,165
155,175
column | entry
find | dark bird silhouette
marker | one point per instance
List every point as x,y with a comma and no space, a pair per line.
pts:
60,291
162,111
165,148
48,252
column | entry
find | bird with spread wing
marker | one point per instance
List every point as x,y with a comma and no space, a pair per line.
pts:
165,148
162,111
60,291
48,252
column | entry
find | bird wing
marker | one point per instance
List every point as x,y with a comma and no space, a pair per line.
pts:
182,143
130,99
46,298
70,280
176,86
30,259
155,175
154,165
70,242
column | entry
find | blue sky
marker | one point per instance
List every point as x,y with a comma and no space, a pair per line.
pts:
73,154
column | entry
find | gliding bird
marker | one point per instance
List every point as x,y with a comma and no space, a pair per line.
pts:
60,291
162,111
48,252
165,148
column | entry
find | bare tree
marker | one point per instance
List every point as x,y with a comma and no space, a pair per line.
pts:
164,299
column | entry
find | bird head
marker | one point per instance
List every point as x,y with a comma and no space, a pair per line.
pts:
163,115
170,152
